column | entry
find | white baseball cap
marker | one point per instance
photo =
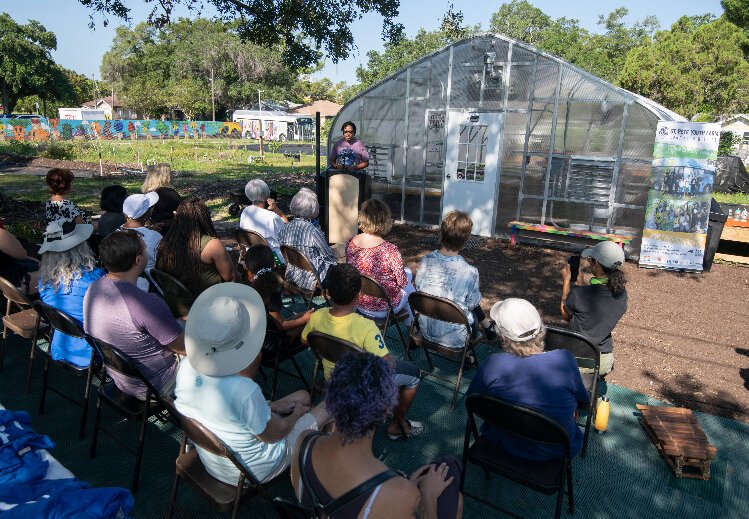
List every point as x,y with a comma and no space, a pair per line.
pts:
607,253
517,319
136,206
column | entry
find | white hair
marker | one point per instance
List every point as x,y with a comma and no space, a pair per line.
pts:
60,269
257,190
304,204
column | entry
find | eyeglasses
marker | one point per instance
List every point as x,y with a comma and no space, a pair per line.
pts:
349,131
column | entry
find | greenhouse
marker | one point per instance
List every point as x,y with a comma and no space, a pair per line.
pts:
508,134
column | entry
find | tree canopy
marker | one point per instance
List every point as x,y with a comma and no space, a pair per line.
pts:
697,67
26,65
302,29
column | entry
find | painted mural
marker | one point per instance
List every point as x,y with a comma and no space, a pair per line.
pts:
42,129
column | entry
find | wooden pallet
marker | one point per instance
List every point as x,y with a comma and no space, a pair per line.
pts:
679,438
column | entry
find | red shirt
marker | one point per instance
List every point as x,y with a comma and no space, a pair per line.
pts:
383,263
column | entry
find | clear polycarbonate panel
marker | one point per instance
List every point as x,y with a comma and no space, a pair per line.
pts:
627,221
547,76
535,175
639,133
581,216
633,184
590,128
542,120
521,78
420,75
530,210
465,90
416,122
391,195
384,121
438,80
511,167
520,54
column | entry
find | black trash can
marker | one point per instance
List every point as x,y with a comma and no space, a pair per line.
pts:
715,224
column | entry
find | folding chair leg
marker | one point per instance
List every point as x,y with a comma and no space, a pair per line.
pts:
173,498
2,351
400,333
95,433
32,356
314,380
457,383
276,369
86,400
141,446
570,497
301,375
43,396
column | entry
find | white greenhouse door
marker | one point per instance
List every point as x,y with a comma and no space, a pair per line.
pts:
472,167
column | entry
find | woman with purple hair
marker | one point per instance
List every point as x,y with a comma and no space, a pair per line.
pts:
360,395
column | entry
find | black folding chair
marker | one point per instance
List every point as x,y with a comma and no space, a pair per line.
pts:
326,347
296,258
177,296
127,406
547,477
22,319
588,357
222,497
283,351
442,309
373,288
63,323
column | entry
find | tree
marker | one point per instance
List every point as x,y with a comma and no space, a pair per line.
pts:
728,142
26,66
737,12
302,28
520,20
692,68
73,90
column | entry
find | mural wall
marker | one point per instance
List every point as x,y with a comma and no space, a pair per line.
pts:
41,129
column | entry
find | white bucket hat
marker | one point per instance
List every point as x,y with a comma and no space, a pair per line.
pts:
607,253
62,235
225,329
136,206
517,319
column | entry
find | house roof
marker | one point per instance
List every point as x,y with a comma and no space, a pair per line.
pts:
325,107
95,103
735,117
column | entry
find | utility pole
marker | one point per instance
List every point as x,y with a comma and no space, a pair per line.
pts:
213,99
260,107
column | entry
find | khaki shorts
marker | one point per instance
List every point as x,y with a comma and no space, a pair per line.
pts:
607,365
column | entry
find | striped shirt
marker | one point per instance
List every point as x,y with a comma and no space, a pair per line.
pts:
311,242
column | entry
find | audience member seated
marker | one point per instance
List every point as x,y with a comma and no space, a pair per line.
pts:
135,322
15,263
192,251
379,259
112,198
341,321
261,274
158,180
60,182
263,215
547,381
445,273
137,209
301,234
68,269
360,393
595,308
224,334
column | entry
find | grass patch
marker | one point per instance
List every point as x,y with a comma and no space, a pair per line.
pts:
732,198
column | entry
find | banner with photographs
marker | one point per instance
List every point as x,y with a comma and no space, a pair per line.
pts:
681,186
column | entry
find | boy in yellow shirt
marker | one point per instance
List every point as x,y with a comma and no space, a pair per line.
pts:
341,321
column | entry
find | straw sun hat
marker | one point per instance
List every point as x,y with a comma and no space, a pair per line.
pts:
225,329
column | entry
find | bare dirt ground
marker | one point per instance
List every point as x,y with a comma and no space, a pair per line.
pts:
684,338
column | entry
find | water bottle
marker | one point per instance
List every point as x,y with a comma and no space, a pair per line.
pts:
602,414
744,215
730,213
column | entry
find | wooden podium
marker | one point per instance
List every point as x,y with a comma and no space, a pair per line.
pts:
340,194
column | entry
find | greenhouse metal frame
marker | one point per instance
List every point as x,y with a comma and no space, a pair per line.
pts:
507,133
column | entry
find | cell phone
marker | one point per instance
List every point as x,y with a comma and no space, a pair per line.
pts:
273,194
574,263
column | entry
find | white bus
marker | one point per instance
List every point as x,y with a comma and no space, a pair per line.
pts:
277,125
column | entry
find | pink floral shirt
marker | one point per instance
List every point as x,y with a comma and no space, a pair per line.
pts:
383,263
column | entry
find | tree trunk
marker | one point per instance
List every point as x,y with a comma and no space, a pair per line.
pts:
6,101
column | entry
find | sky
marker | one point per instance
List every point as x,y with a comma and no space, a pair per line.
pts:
80,48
